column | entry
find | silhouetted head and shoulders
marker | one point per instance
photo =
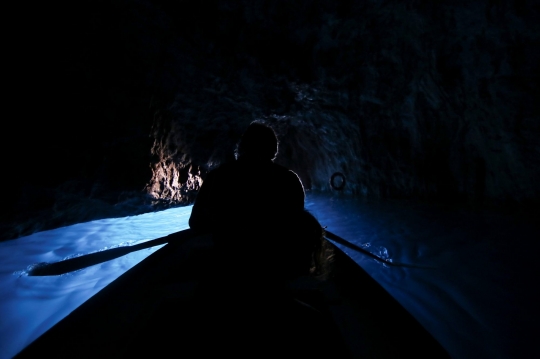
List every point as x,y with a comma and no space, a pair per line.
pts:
256,152
253,184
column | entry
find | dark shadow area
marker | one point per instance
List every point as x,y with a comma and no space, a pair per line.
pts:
124,107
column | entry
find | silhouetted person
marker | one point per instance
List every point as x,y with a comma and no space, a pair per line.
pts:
240,198
254,209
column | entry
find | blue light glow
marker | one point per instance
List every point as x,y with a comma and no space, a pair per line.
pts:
29,306
473,294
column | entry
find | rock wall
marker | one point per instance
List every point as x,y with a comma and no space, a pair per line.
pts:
126,105
407,99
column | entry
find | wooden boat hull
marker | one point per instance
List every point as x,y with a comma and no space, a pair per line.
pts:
175,304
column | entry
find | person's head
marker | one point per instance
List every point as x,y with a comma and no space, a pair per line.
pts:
258,142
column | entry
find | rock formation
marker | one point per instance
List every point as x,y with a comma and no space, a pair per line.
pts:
408,99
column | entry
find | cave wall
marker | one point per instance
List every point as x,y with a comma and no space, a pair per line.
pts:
124,106
407,99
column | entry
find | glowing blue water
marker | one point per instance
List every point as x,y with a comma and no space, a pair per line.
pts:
479,301
31,305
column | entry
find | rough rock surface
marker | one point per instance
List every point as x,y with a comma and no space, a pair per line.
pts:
405,98
412,99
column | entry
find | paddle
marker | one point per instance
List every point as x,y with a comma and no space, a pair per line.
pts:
73,264
335,238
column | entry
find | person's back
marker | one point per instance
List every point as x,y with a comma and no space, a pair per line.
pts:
243,191
246,203
250,190
254,209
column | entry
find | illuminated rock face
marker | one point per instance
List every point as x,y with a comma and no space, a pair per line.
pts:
411,99
417,100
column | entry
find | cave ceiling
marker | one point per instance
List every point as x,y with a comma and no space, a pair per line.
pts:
124,106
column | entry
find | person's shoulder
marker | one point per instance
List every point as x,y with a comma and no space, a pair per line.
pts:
286,172
283,169
278,167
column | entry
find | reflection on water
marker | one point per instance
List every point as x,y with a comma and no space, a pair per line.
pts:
474,288
476,291
31,305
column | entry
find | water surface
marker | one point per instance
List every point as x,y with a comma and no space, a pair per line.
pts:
475,289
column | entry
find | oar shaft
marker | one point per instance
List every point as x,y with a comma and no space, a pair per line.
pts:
333,237
73,264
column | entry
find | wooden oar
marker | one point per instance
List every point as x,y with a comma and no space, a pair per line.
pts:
335,238
73,264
